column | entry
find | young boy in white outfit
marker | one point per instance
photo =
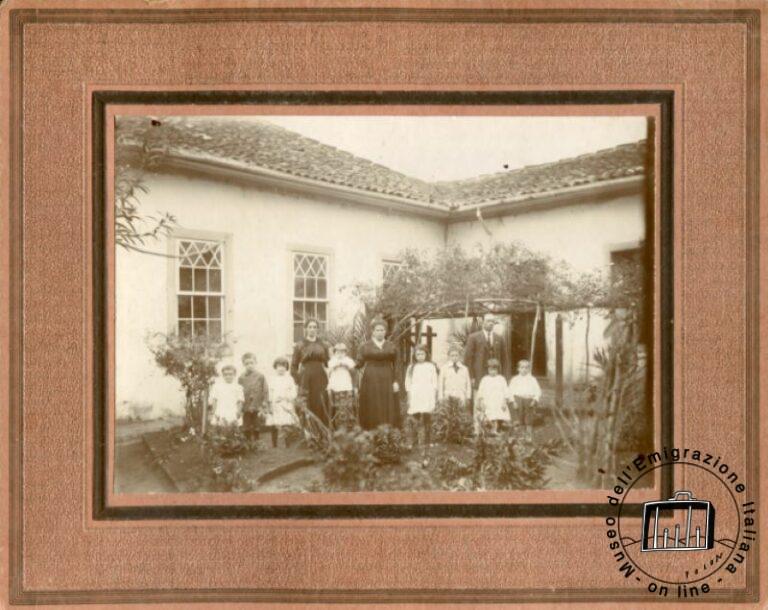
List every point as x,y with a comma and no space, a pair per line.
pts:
525,393
454,379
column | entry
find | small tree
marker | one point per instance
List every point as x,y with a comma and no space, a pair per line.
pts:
621,394
191,360
138,149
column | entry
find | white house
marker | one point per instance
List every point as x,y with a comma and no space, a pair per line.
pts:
273,226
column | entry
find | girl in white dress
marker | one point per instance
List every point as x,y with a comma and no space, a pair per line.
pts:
491,399
421,385
282,393
226,398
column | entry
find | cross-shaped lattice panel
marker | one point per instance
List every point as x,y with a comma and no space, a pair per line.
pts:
200,254
309,265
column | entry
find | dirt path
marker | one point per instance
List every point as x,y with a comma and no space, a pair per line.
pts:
130,431
135,472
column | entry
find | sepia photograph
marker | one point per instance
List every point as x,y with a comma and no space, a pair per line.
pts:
325,303
401,304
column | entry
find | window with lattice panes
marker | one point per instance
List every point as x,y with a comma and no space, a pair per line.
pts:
389,269
200,293
310,291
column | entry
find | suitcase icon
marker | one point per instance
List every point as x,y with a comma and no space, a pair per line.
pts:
681,523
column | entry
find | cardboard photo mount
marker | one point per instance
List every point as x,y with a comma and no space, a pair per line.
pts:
64,63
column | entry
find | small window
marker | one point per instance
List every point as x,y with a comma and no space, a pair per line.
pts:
628,280
389,269
200,294
627,266
310,291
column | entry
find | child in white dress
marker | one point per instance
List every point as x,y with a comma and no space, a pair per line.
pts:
491,399
282,393
226,398
421,385
341,385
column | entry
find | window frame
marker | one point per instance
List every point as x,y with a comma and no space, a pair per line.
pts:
311,250
392,262
173,283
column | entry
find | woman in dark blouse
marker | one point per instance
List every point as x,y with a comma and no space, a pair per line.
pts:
379,389
308,367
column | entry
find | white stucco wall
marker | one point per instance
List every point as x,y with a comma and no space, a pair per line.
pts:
578,336
265,225
583,235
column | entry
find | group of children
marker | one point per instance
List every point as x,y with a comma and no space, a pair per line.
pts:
253,401
491,402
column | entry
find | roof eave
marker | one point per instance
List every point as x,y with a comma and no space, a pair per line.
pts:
225,169
585,193
277,179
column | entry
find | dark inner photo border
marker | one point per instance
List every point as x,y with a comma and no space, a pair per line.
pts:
664,99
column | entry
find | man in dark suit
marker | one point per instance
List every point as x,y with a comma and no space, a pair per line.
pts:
481,347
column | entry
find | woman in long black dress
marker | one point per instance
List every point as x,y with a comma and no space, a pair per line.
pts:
308,367
378,359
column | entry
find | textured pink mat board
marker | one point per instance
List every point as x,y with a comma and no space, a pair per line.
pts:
70,67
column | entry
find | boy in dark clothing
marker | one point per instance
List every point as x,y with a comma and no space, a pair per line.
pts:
256,396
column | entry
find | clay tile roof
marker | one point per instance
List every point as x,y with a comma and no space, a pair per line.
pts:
259,144
621,161
263,145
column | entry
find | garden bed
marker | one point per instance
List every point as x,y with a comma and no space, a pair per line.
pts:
183,459
188,464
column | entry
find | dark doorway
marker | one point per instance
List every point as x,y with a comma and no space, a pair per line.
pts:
521,328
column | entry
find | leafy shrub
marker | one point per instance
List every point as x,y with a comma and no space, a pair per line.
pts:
229,441
410,477
317,436
350,462
388,445
191,360
228,475
292,435
224,448
451,469
508,461
451,422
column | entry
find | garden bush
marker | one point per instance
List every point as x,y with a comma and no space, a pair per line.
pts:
349,461
191,360
293,435
224,448
451,422
508,460
388,445
454,473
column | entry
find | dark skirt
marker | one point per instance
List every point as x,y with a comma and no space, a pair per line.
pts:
313,383
343,410
378,403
